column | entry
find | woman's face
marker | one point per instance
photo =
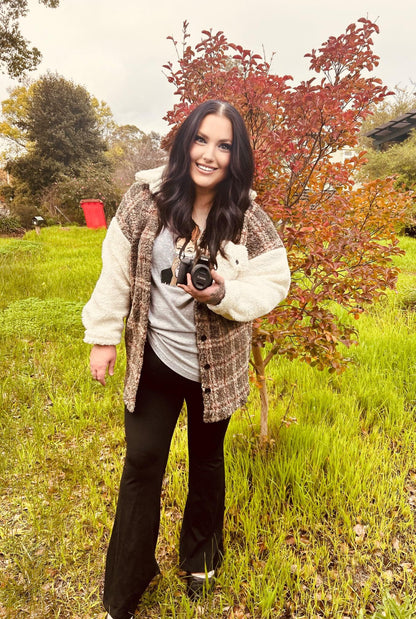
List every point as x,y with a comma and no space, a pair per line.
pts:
211,152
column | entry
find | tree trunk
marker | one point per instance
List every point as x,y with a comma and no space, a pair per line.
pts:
264,400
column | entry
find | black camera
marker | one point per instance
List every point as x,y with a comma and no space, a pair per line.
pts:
199,270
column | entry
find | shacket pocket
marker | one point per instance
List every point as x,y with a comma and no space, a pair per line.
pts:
235,261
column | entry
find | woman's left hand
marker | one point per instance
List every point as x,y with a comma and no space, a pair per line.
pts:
213,295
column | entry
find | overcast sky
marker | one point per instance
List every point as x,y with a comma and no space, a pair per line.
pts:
116,48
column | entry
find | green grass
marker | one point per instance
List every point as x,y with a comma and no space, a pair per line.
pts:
319,523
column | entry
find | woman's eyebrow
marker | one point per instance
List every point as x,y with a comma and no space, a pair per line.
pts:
203,135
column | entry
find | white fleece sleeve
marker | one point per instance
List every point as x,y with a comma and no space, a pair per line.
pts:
262,285
103,315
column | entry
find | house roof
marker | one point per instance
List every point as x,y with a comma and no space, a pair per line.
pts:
395,130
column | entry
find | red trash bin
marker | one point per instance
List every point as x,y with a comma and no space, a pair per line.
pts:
94,213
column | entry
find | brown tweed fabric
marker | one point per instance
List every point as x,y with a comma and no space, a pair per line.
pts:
223,345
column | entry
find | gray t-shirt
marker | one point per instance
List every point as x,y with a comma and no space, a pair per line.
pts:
171,332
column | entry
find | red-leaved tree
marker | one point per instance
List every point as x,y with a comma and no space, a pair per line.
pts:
340,238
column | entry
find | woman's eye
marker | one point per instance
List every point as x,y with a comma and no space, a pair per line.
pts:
226,146
200,139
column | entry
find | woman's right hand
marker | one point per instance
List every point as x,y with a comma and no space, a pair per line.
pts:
101,359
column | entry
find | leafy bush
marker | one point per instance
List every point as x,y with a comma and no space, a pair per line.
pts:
93,182
23,209
10,225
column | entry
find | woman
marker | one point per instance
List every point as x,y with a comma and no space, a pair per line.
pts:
186,341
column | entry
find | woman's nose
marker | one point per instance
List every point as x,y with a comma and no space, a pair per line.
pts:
208,153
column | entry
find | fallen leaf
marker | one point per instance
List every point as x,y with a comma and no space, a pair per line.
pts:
360,530
395,543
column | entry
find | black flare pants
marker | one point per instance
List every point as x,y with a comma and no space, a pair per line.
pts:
131,562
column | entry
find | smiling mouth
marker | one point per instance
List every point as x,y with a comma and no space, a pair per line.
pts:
204,168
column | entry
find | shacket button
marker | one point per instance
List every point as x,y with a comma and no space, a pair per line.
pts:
203,338
207,366
207,390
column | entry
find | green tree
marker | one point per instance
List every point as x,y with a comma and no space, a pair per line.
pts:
15,118
14,115
104,117
54,131
54,140
16,55
60,126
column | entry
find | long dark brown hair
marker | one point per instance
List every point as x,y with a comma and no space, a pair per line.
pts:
176,195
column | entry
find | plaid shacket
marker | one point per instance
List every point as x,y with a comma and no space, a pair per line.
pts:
223,345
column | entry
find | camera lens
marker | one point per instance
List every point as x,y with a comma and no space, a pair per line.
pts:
201,276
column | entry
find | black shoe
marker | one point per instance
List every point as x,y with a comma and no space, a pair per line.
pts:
197,588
